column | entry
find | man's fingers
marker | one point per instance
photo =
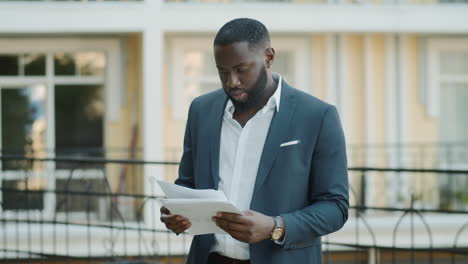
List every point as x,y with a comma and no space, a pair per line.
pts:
182,228
164,210
235,234
232,226
179,227
168,219
237,218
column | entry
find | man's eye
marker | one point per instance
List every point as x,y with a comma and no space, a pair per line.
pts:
241,69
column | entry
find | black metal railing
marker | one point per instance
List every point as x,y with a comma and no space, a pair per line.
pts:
102,210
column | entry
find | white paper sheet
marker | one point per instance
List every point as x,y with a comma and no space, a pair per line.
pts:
198,206
199,212
174,191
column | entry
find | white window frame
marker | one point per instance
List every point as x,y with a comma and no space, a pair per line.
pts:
111,47
298,46
434,78
434,48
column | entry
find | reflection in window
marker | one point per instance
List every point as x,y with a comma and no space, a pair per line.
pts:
23,124
79,112
90,63
34,64
64,64
80,63
9,65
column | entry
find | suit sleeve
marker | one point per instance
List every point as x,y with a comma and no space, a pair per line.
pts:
186,173
328,188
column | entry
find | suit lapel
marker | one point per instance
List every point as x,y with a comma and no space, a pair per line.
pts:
217,113
277,133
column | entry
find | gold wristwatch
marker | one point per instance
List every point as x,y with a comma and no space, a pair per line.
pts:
278,231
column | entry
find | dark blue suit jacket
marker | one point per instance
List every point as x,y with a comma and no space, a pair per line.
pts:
305,183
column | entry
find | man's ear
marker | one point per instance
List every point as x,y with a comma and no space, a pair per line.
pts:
269,57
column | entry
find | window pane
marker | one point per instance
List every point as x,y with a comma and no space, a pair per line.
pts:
16,194
79,113
23,123
64,64
91,63
453,118
9,65
34,64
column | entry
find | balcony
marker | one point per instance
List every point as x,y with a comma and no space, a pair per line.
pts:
97,211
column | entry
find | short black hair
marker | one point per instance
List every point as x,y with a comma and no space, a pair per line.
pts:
243,29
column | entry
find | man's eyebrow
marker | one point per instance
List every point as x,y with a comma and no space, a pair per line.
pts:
235,66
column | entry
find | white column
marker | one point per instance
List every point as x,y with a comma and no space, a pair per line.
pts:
391,86
404,113
370,113
336,77
330,71
153,121
344,98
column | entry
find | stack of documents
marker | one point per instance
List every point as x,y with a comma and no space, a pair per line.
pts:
198,206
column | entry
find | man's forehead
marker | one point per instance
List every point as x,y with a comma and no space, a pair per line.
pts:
236,50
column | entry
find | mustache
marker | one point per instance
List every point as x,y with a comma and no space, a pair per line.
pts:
237,90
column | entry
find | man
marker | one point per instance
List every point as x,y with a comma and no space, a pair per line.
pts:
277,153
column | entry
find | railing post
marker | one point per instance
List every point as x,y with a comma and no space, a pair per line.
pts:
362,193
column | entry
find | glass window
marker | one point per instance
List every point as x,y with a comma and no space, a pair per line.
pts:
453,118
15,197
77,131
64,64
34,64
90,63
79,115
80,63
9,65
23,123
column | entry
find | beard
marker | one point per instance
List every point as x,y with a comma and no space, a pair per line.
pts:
254,96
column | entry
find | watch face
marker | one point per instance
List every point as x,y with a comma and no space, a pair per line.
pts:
276,234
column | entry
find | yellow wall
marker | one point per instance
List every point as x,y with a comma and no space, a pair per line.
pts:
354,48
119,133
173,129
421,128
318,64
377,52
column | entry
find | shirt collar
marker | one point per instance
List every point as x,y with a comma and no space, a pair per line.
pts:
274,100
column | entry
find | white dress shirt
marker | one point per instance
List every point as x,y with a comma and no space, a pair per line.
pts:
240,152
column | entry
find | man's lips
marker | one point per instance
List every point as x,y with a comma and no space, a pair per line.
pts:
237,93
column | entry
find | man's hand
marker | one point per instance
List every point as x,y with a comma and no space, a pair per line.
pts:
175,223
251,227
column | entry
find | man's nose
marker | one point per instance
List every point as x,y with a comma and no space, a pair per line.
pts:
232,80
